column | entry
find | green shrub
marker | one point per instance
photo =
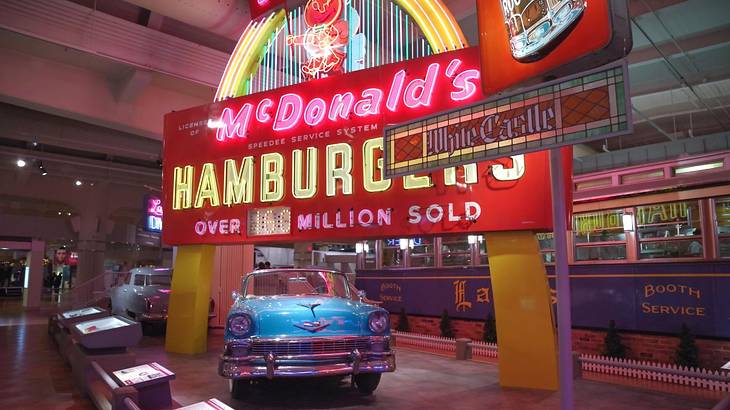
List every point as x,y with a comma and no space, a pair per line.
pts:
490,330
403,325
447,328
687,351
613,347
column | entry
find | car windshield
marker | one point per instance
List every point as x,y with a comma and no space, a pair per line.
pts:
296,282
152,280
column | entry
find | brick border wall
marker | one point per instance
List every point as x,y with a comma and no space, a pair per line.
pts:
655,348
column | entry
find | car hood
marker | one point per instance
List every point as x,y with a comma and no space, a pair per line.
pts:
295,316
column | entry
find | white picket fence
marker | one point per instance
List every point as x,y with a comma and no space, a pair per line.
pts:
662,372
484,349
436,343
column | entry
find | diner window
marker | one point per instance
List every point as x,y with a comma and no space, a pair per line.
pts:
722,215
482,250
670,230
547,246
366,251
422,252
392,254
599,236
455,251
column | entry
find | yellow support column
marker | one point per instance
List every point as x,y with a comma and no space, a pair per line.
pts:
525,330
187,320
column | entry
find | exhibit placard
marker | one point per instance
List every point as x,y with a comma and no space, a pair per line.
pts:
210,404
592,105
72,314
98,325
142,373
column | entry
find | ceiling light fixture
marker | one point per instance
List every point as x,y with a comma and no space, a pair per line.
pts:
78,182
41,168
20,163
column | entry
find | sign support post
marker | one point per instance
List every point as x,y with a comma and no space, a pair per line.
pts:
562,279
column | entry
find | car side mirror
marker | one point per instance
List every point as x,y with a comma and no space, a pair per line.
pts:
235,295
361,294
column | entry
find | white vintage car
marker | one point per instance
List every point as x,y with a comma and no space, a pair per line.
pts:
144,296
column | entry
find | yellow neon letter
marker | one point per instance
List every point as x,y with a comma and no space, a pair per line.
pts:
369,181
183,187
238,183
207,187
415,182
333,172
272,179
470,174
311,189
510,174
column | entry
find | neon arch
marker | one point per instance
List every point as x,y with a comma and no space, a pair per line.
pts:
438,26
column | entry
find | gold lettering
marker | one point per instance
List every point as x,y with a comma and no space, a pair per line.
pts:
342,172
272,179
207,187
298,190
417,182
470,174
183,187
483,295
462,305
238,183
371,182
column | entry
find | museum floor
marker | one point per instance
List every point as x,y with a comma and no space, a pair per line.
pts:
34,376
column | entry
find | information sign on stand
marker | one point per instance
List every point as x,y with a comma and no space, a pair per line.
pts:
210,404
108,332
71,317
139,375
80,312
152,381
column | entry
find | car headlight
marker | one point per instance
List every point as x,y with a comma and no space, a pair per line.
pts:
239,325
378,321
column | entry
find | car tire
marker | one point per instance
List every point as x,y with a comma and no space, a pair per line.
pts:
366,383
239,388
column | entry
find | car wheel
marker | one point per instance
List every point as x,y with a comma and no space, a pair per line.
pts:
366,383
239,388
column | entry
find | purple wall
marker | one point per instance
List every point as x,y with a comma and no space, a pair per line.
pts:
642,297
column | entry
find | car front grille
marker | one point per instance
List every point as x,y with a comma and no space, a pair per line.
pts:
306,347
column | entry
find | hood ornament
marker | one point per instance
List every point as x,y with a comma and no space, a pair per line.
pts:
310,306
313,327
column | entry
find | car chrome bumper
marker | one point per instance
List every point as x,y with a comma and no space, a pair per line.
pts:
152,317
325,364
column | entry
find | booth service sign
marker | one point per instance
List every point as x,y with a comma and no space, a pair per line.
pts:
305,162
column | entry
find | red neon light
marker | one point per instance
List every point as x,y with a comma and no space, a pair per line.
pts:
325,39
350,109
292,109
262,114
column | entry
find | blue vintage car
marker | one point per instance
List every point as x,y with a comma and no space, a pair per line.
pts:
303,323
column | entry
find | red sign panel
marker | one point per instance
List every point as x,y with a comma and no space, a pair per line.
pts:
259,7
305,162
527,40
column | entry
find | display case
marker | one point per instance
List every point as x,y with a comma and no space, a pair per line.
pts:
71,317
107,333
